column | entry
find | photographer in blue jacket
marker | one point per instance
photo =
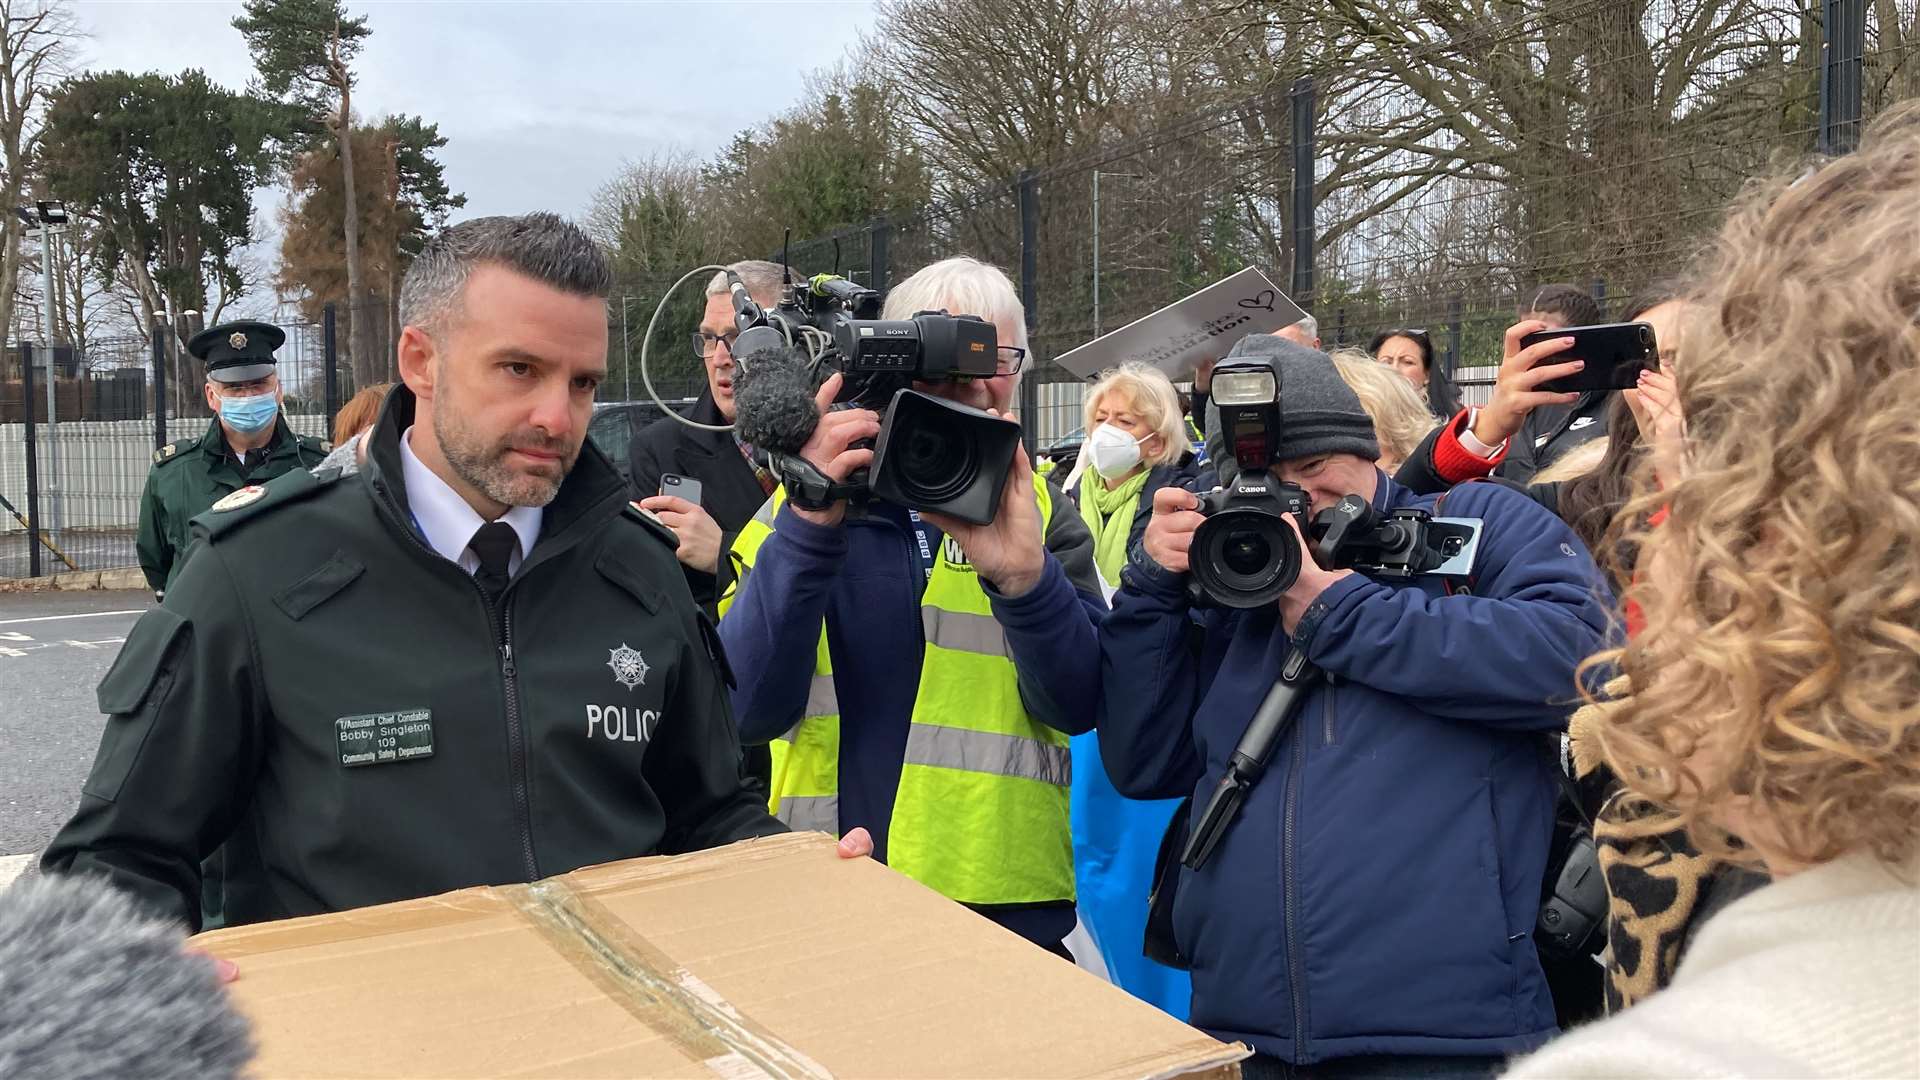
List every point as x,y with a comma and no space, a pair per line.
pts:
1369,910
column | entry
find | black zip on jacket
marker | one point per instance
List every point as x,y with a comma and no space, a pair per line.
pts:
360,723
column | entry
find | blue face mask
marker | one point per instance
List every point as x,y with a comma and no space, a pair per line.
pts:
249,414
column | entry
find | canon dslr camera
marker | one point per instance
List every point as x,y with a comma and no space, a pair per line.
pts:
1245,555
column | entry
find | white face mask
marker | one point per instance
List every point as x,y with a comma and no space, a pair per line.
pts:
1113,452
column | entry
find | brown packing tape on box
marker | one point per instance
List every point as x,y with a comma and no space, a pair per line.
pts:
768,958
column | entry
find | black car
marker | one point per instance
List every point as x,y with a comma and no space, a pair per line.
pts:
615,423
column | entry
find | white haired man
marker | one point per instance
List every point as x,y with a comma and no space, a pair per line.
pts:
916,675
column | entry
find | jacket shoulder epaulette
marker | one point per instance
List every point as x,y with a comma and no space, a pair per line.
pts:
256,500
173,451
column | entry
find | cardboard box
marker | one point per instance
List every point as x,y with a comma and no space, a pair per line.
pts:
770,958
1202,324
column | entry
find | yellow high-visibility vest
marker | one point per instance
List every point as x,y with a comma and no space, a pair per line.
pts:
981,811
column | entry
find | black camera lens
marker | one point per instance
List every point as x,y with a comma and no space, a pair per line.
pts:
1246,553
1244,557
937,463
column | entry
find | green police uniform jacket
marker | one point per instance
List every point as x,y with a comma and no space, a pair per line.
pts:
191,475
351,715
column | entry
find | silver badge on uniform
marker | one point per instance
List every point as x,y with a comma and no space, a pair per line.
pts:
629,667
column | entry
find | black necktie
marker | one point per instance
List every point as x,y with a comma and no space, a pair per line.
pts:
493,543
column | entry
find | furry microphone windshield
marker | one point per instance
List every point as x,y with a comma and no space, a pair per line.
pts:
93,988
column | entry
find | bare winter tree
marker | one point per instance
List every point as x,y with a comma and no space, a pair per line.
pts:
34,52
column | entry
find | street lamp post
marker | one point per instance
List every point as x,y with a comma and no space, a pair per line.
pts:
1096,243
175,320
48,220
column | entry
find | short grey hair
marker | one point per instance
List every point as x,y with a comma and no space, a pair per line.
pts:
1310,326
960,286
764,280
545,247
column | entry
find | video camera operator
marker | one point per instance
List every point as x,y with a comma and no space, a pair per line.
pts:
919,675
1372,902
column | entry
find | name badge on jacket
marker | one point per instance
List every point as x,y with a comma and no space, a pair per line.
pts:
380,738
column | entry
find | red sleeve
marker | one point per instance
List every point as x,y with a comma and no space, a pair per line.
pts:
1454,463
1637,619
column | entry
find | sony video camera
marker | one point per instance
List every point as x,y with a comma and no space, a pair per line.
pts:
1244,555
932,454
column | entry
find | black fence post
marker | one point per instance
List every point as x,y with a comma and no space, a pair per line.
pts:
1340,328
159,333
1030,301
1600,292
33,466
1456,309
332,371
1304,240
878,236
1843,46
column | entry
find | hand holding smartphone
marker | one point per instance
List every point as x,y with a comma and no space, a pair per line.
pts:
684,487
1615,354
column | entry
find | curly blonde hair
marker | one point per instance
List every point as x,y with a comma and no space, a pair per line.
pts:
1150,394
1774,709
1399,414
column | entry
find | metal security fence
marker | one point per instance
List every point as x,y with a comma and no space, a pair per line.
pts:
79,426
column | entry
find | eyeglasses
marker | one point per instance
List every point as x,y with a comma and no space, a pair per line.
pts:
1009,360
704,343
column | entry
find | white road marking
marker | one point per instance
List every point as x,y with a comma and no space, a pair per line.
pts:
82,615
12,866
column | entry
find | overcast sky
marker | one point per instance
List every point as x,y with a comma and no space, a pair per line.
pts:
541,101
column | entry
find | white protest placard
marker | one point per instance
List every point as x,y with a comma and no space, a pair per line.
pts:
1204,324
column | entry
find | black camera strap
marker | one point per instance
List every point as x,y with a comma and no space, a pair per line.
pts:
808,488
1248,762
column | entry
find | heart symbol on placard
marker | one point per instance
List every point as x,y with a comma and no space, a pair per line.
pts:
1264,301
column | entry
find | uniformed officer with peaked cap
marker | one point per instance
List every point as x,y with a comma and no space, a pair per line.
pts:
248,442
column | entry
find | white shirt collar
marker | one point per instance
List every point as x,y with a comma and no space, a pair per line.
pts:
448,523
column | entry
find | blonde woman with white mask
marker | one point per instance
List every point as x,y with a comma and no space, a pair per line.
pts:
1136,444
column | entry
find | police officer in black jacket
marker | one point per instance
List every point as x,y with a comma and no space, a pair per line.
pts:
469,663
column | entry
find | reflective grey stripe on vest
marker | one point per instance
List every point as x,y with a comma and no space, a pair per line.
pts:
822,699
811,813
766,513
964,632
986,752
